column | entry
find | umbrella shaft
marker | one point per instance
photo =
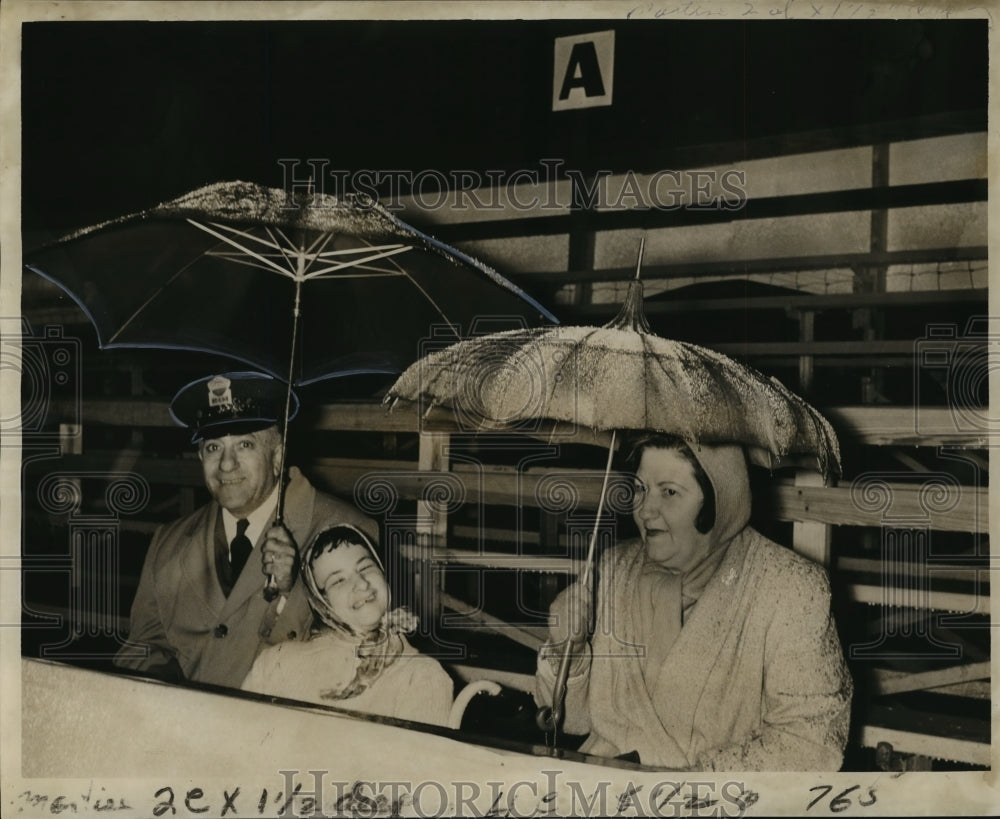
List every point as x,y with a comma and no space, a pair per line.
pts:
288,398
559,690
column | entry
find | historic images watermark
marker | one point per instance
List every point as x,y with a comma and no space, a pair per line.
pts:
954,363
49,367
545,188
47,426
550,794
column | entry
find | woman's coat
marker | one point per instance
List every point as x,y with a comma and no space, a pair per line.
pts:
755,679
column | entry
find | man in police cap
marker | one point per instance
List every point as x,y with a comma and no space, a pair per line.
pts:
200,611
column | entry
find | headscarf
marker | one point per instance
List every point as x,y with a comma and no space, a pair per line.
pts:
376,650
664,597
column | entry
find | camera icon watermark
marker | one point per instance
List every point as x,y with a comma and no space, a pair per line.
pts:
48,366
952,369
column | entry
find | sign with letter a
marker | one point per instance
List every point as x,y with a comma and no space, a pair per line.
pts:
584,70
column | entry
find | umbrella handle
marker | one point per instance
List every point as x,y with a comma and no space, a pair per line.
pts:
549,718
271,590
546,719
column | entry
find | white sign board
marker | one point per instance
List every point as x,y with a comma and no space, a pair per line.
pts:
583,70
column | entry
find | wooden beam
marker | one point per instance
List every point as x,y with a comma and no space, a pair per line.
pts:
770,264
495,560
868,425
908,426
934,571
896,683
930,599
855,199
852,348
811,301
507,487
661,305
975,689
809,538
518,634
938,747
839,506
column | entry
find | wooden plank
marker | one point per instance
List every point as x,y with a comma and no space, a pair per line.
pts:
976,690
166,471
493,534
851,348
494,560
934,571
929,599
504,486
896,683
909,426
433,458
838,506
937,747
825,301
741,268
811,539
518,634
376,417
855,199
653,306
830,505
871,425
125,412
832,362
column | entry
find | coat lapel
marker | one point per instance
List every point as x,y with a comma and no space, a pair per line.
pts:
689,662
297,519
198,561
299,501
631,703
250,581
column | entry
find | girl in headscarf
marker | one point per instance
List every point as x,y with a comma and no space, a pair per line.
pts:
713,648
358,656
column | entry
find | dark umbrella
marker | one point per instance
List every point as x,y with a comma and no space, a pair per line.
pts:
303,287
220,269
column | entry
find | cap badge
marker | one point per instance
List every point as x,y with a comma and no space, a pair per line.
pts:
220,393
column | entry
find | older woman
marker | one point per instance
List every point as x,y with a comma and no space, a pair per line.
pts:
713,647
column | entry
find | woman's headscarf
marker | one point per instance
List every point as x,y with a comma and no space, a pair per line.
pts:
664,598
376,650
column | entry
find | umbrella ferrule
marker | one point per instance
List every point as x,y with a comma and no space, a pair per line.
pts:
631,315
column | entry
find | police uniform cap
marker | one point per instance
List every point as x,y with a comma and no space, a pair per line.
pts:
234,403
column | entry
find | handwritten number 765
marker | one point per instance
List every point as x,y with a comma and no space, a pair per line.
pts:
841,802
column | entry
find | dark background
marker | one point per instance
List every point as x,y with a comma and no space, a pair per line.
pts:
119,116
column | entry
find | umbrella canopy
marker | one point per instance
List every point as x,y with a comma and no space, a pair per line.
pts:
223,270
619,377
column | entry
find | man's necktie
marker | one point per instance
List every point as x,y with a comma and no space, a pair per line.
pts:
239,548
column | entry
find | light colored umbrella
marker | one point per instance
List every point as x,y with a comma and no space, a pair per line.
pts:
617,377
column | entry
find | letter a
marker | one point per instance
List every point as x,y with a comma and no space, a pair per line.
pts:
583,71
